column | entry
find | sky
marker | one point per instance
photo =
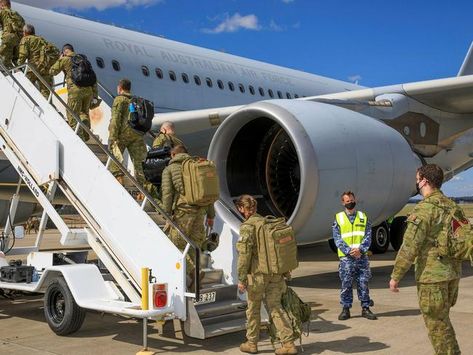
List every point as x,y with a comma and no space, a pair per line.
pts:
374,43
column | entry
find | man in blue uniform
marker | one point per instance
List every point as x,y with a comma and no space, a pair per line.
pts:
352,236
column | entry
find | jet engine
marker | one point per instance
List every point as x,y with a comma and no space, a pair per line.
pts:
297,157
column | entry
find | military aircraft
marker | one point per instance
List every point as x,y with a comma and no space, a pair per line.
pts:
294,140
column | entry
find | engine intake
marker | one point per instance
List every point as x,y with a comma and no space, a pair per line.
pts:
297,157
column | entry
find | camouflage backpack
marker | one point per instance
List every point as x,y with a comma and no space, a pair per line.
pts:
455,241
200,180
48,55
298,312
277,247
14,22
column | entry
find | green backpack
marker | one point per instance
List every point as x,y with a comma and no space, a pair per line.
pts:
298,312
456,238
14,23
200,180
277,247
48,55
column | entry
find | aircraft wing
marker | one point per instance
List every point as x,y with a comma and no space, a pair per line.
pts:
454,95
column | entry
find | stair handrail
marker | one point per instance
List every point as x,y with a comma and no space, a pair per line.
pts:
148,197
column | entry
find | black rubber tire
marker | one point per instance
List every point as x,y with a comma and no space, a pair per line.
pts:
379,238
332,245
62,313
397,229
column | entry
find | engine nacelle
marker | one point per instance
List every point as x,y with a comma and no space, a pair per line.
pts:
297,157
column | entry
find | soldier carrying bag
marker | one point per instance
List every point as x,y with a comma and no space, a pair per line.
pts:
455,241
277,247
156,161
200,180
82,73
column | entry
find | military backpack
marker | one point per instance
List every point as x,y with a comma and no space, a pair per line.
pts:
141,114
14,23
277,247
455,241
299,314
200,180
48,55
82,73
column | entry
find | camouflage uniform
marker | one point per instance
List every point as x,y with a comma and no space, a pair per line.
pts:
78,98
10,37
437,277
166,140
260,287
122,136
351,269
190,219
30,49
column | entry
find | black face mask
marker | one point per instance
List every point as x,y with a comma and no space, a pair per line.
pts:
350,205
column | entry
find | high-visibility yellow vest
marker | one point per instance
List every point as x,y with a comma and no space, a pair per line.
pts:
352,233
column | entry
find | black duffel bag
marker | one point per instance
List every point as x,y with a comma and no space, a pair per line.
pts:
156,160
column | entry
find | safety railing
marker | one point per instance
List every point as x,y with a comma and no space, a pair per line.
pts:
147,197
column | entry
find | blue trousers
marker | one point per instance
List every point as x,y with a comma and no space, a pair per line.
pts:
358,270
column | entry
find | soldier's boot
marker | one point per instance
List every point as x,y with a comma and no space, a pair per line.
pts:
345,314
249,347
120,179
287,348
366,313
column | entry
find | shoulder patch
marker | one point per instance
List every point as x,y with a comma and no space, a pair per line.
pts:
413,219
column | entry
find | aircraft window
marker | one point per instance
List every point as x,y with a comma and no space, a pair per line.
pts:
159,73
280,94
209,82
115,65
296,96
197,80
145,70
288,95
261,91
185,78
220,84
270,92
172,75
100,62
242,88
252,90
231,86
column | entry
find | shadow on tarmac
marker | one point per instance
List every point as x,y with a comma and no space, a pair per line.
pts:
356,344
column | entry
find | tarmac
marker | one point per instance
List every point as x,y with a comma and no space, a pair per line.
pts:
399,329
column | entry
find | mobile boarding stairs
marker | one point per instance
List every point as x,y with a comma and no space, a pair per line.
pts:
145,273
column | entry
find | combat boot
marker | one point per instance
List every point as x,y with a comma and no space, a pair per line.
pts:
366,313
249,347
345,314
287,348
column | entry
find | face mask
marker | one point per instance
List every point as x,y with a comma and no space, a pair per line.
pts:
418,188
350,205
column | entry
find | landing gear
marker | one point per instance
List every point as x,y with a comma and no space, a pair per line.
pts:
398,227
62,313
379,238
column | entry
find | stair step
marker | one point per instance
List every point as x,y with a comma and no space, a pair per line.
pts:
212,276
222,318
157,218
214,309
230,326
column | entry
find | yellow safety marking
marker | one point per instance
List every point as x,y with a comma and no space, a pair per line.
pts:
144,288
61,91
178,266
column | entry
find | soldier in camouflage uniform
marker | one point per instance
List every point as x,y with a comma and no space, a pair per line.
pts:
78,98
351,232
190,219
121,136
437,277
30,49
167,136
12,25
269,288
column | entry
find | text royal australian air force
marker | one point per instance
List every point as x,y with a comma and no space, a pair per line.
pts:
196,63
